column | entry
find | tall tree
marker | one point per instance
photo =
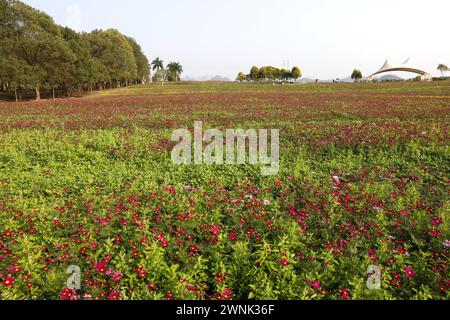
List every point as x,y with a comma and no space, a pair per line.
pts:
356,75
175,70
112,49
254,73
36,53
34,38
241,77
443,69
142,63
157,64
296,73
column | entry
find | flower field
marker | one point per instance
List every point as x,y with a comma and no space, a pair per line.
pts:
363,180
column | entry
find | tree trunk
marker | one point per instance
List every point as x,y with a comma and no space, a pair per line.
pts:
15,94
53,93
38,93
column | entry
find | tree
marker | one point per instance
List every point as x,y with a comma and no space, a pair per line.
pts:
157,64
270,73
175,71
142,63
296,73
33,38
13,74
114,51
356,75
241,77
443,69
35,53
83,76
254,74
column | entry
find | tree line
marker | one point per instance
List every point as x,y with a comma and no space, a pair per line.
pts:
36,54
270,74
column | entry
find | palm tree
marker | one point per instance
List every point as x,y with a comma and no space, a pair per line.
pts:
176,69
157,64
443,69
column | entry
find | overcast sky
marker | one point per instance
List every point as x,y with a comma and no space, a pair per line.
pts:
326,39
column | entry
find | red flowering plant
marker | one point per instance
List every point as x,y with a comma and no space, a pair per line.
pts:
362,182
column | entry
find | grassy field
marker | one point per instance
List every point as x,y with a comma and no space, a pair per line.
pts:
363,180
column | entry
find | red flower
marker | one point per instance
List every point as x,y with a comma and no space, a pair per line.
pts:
285,262
152,286
117,276
409,272
169,296
315,285
142,273
114,295
215,230
164,243
220,277
193,249
436,221
68,294
101,268
345,294
226,294
436,233
232,236
8,282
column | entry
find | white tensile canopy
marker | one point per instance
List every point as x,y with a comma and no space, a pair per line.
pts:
405,66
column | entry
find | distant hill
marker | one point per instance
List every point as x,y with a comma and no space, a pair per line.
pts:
220,78
207,78
306,80
390,77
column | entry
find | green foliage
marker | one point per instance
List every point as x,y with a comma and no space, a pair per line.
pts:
443,69
270,73
360,183
39,54
356,75
175,69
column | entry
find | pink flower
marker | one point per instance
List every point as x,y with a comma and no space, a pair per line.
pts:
315,284
337,180
215,230
8,282
117,276
446,243
409,272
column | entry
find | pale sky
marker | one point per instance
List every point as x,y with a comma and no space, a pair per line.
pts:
326,39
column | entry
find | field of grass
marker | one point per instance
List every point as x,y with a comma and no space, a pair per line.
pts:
363,180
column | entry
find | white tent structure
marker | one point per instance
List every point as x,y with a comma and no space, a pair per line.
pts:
405,67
